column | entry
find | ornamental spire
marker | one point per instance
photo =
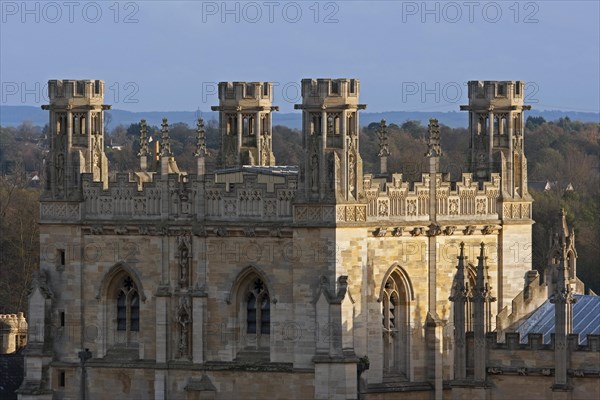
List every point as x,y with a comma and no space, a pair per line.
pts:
384,150
434,149
459,298
143,139
482,287
200,139
458,289
165,143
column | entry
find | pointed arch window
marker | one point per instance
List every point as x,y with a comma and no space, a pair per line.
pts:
128,307
396,328
258,308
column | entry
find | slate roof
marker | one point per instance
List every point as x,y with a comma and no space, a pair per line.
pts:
586,319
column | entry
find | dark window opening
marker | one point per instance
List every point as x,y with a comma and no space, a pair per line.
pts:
258,309
135,312
501,90
335,87
121,312
265,316
251,314
61,258
249,90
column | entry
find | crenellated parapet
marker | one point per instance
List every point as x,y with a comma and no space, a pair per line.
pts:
512,355
13,332
513,358
533,296
253,193
247,193
531,366
397,199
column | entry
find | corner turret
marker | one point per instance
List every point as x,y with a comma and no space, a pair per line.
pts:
246,123
332,162
76,136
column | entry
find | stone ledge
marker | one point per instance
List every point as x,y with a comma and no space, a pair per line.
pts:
399,387
468,383
189,366
343,359
562,387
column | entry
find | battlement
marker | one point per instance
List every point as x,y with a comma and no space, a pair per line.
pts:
13,332
409,201
330,93
70,90
254,195
527,301
13,321
244,94
534,358
497,93
535,341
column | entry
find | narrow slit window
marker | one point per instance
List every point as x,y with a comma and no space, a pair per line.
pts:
61,258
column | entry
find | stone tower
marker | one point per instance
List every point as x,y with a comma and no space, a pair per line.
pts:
246,123
497,126
332,164
76,136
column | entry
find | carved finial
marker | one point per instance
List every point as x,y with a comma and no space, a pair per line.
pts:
200,139
382,133
165,144
384,151
483,290
459,291
563,294
434,149
143,139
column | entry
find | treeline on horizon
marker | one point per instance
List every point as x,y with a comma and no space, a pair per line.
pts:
561,153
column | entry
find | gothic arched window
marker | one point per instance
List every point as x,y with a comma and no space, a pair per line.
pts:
258,309
128,307
396,332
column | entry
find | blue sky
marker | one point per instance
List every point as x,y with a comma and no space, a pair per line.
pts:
408,55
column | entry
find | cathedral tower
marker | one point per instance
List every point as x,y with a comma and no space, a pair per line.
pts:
496,124
246,123
332,164
76,136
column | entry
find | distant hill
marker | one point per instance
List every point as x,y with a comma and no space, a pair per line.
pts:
14,115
